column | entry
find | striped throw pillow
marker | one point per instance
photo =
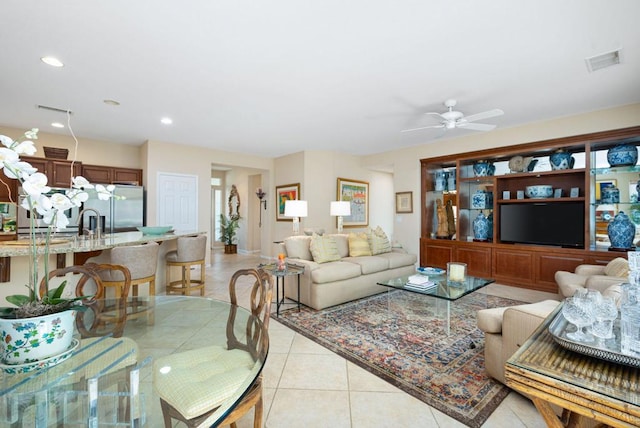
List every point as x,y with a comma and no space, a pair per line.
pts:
324,249
378,241
359,245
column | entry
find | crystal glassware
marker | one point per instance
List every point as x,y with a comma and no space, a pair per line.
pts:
579,312
605,313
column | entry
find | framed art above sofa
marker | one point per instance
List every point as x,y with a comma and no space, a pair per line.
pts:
357,193
286,192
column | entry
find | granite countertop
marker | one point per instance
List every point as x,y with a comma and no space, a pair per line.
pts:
76,244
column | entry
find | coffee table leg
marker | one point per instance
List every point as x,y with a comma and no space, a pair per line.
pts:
298,292
448,318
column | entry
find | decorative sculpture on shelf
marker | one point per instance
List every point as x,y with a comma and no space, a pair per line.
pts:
451,221
443,224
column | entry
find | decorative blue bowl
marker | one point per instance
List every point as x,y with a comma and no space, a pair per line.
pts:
539,192
622,155
155,230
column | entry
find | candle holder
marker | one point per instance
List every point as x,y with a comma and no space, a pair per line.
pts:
456,273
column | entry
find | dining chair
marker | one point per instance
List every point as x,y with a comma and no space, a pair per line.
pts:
97,318
192,390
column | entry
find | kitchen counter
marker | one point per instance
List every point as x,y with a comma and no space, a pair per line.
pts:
75,244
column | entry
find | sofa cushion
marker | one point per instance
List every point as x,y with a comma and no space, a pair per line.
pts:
342,242
369,264
399,258
298,247
617,267
335,271
324,249
359,245
378,241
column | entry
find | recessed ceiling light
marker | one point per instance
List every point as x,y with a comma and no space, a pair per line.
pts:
111,102
52,61
166,120
57,125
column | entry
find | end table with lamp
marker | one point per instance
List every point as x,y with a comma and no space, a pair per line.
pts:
280,269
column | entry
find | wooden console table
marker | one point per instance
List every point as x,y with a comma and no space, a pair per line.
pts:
585,387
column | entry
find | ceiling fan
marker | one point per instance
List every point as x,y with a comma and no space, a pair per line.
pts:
454,119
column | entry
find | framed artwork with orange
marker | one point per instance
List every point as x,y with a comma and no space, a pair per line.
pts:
286,192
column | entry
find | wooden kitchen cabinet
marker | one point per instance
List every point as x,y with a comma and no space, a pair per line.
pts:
58,171
112,175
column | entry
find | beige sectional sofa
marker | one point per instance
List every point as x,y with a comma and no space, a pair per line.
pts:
328,283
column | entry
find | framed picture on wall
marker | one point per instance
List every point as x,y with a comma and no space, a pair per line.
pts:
357,193
404,202
286,192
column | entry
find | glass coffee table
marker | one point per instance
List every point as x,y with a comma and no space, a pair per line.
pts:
442,289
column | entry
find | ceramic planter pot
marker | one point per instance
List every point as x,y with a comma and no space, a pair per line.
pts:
622,155
27,340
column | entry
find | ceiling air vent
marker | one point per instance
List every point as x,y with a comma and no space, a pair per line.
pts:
604,60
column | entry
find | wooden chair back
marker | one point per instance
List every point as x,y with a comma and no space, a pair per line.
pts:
92,321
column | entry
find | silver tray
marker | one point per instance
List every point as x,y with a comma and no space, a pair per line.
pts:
609,350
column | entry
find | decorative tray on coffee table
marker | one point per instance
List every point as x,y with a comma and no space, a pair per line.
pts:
608,350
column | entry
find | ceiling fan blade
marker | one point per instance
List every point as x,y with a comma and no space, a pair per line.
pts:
423,127
436,114
476,126
484,115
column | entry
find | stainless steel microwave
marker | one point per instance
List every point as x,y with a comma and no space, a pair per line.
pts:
24,216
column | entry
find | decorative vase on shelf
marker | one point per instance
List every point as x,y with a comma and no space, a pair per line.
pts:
483,168
28,340
451,180
481,227
561,159
621,231
622,155
610,195
440,181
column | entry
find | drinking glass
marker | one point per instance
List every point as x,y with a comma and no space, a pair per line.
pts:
605,313
577,311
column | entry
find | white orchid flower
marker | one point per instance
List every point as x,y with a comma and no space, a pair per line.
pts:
104,193
80,182
60,202
32,134
6,141
77,196
25,148
56,219
7,157
35,184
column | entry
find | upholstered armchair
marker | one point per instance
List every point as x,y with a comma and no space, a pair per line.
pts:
506,329
605,279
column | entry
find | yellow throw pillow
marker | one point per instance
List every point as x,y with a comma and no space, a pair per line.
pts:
378,241
617,267
359,245
324,249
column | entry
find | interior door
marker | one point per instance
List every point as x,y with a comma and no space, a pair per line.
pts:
178,201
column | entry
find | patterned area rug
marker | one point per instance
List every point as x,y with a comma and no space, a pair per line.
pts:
400,337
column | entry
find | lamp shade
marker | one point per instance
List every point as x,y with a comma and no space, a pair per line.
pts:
341,208
295,208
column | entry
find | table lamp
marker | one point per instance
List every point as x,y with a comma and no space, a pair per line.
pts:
295,209
339,209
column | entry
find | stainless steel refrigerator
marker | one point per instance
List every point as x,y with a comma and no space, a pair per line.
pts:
122,213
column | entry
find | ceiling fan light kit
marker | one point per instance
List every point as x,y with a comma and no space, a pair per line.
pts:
452,119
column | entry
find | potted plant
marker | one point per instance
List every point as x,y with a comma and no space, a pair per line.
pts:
228,229
39,326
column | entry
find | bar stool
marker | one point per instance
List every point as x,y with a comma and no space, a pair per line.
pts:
142,262
191,251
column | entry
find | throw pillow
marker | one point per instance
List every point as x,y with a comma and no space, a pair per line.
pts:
324,249
378,241
359,245
617,267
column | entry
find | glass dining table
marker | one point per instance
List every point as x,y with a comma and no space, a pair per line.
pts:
106,381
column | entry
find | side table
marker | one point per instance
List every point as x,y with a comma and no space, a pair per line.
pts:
290,269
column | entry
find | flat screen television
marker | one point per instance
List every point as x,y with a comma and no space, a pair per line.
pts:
548,223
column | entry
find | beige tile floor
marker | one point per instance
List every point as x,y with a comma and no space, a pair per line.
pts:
308,386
